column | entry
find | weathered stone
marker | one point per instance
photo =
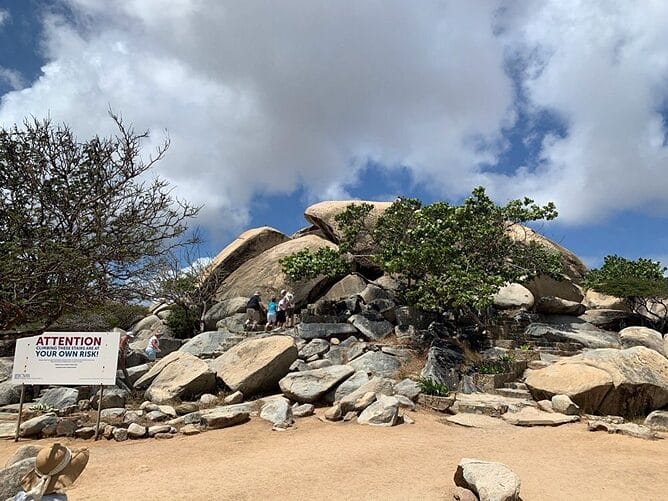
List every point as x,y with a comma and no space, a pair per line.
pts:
334,413
160,428
111,398
185,408
134,373
348,386
85,432
630,429
468,420
108,432
190,429
598,300
310,386
571,329
113,414
10,478
641,336
530,416
277,411
136,430
132,417
10,393
156,416
264,273
59,398
208,399
316,348
377,364
461,494
607,319
513,296
409,315
383,412
372,293
544,286
442,365
376,385
303,410
222,417
350,285
545,405
490,481
364,401
558,306
335,355
349,416
564,405
408,388
626,382
371,329
210,344
233,398
183,377
256,364
325,330
163,436
120,434
146,323
657,420
34,426
318,364
23,452
405,402
224,309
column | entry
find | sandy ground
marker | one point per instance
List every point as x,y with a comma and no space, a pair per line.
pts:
316,460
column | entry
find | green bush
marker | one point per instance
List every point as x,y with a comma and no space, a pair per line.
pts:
183,322
501,365
431,387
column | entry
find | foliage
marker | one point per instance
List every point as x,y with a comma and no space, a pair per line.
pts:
447,257
80,222
101,318
431,387
42,408
184,321
642,283
500,365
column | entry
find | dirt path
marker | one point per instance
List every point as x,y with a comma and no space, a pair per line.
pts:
316,460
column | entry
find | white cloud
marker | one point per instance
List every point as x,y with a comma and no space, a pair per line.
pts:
4,16
11,77
260,99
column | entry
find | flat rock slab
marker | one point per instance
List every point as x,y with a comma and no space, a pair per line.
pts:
629,429
310,386
530,416
475,421
224,418
488,403
325,330
490,481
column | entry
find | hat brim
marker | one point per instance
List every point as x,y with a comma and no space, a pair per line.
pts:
63,479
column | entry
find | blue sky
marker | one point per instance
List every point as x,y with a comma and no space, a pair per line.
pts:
269,110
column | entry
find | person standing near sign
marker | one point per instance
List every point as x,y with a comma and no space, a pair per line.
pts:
153,347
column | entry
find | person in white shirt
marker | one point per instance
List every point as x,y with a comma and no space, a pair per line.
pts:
153,347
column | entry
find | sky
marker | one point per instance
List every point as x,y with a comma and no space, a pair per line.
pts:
272,106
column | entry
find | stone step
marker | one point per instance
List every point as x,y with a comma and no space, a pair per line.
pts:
516,385
513,393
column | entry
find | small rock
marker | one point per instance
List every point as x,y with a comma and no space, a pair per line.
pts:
163,436
66,428
120,434
190,429
364,401
161,428
630,429
490,481
334,413
136,431
545,405
461,494
657,420
186,408
86,432
383,412
156,416
564,405
132,417
405,402
408,419
234,398
303,410
108,432
407,388
350,415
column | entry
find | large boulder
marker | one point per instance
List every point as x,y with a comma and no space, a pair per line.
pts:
546,286
264,273
641,336
323,215
310,386
59,397
256,364
34,426
567,329
224,309
513,296
186,376
490,481
210,344
371,327
443,364
628,382
608,319
383,412
558,306
574,268
348,286
597,300
377,363
248,245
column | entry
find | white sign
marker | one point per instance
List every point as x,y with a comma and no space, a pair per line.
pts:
67,358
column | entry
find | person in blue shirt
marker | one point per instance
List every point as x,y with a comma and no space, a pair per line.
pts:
272,308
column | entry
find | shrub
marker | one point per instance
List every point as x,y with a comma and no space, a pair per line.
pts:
431,387
183,322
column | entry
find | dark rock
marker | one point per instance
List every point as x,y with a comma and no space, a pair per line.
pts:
325,330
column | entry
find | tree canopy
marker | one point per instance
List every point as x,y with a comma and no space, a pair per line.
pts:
445,256
642,283
81,222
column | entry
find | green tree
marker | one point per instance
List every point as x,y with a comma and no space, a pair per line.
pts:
81,223
447,257
641,283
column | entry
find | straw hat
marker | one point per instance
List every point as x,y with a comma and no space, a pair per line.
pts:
56,467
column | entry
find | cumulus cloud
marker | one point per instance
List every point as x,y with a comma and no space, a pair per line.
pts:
260,99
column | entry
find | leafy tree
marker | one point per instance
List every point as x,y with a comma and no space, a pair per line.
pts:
447,257
642,283
81,223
